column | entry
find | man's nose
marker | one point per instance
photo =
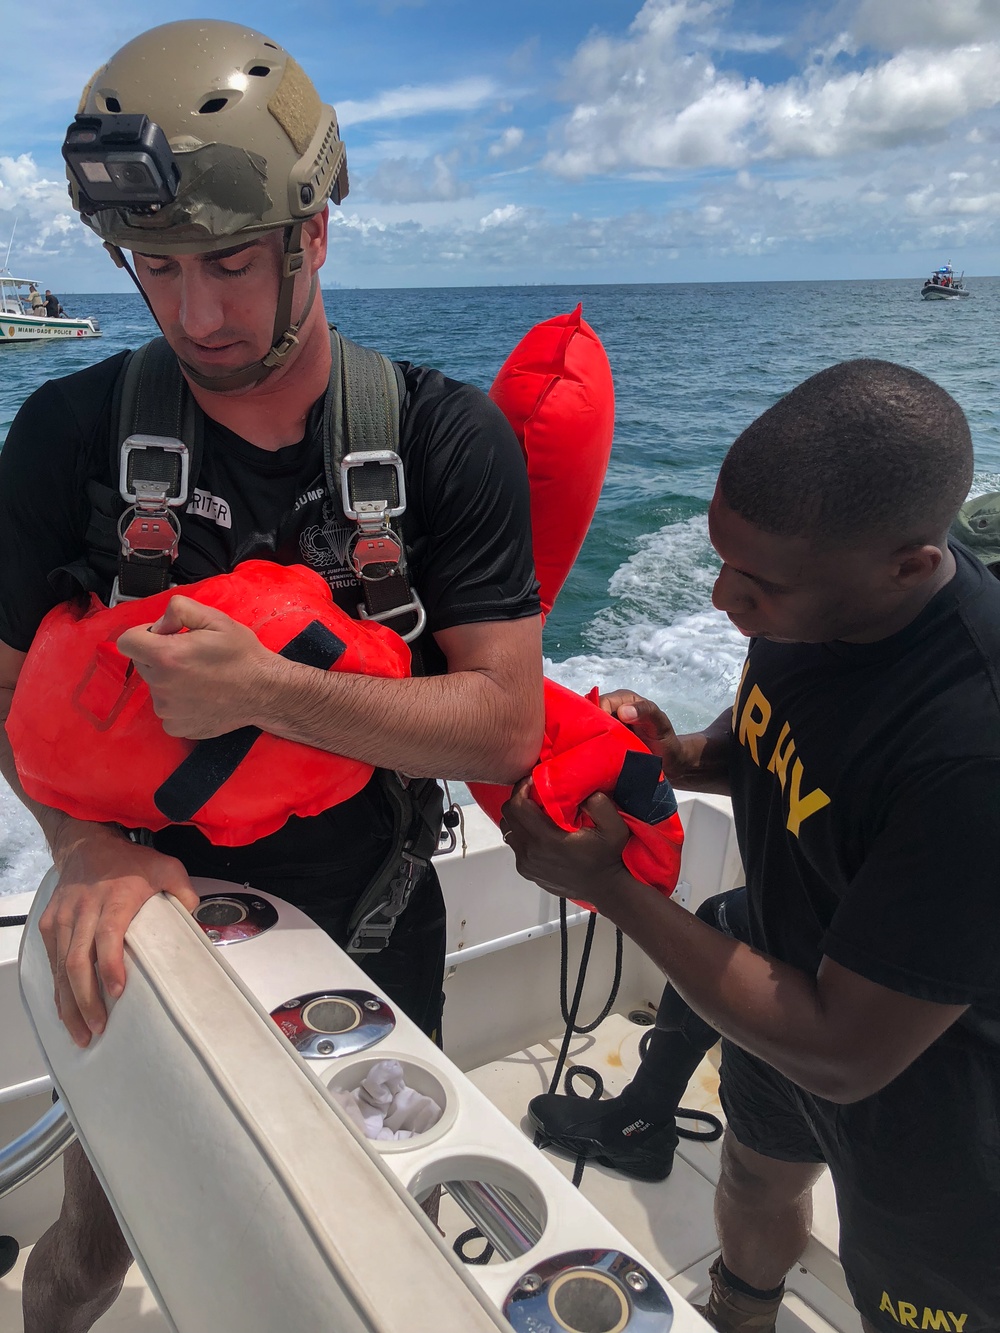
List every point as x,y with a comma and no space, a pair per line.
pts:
200,309
731,593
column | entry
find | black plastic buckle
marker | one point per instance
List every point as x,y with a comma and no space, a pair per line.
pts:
372,936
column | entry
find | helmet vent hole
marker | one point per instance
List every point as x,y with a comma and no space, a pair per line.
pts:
212,105
112,103
259,71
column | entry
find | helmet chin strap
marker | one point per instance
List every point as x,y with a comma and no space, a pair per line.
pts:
284,336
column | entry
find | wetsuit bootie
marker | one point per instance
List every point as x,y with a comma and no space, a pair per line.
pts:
610,1133
731,1311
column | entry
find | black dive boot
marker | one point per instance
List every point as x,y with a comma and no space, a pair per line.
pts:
636,1132
611,1133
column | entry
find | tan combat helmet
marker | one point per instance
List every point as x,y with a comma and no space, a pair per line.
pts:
255,151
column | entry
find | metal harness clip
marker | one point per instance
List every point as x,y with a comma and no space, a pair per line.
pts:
153,476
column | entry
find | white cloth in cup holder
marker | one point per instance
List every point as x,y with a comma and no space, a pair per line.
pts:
384,1108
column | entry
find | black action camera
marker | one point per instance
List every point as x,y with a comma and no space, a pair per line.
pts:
121,161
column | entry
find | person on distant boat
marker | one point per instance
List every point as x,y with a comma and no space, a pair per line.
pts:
35,300
857,986
230,271
52,307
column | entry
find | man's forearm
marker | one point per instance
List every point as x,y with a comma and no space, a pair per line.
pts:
460,725
769,1008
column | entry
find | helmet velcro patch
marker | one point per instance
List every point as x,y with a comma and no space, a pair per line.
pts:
296,105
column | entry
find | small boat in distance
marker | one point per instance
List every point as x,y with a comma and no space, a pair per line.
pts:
20,322
23,313
943,285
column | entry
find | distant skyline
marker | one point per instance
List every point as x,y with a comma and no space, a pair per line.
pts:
584,142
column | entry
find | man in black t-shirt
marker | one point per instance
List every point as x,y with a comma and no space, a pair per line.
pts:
227,238
859,999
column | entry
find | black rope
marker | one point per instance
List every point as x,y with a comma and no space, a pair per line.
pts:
569,1017
569,1013
466,1238
13,921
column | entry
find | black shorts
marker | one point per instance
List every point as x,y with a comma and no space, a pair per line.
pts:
916,1169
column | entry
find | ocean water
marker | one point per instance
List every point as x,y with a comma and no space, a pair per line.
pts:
693,365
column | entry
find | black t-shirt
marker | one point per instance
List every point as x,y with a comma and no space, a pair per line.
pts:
866,789
467,531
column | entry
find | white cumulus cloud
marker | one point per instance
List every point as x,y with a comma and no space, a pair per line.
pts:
501,217
511,139
35,211
892,25
655,99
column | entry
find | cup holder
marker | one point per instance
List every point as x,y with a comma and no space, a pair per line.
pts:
495,1198
422,1078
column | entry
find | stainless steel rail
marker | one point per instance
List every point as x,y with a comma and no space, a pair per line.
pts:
501,1217
33,1150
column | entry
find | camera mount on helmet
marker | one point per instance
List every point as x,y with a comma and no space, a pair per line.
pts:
121,161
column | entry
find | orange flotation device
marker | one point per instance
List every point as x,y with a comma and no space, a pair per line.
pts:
103,754
556,390
116,764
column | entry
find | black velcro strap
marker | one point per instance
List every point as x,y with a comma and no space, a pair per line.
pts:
199,776
640,792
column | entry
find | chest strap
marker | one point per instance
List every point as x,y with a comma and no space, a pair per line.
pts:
363,467
156,456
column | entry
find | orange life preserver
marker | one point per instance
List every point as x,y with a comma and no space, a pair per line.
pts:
584,751
556,390
95,748
103,755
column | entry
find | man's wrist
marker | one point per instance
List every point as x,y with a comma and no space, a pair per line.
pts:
69,834
703,761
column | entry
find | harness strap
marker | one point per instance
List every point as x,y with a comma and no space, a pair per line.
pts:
153,399
361,418
417,807
362,465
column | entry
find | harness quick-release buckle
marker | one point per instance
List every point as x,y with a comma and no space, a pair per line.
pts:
371,936
376,555
153,478
153,472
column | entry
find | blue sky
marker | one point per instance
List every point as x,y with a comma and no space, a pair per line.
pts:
576,141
